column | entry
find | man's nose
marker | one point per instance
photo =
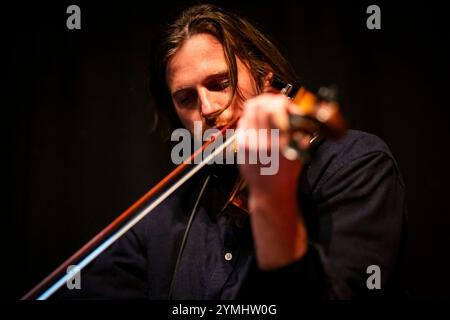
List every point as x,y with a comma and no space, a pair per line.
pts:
209,108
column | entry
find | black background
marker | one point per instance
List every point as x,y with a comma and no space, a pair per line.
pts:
77,115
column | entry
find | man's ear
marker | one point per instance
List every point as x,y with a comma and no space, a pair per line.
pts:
268,82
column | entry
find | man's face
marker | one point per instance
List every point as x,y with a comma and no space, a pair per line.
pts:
197,77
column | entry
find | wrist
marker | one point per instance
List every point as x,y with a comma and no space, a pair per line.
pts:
282,201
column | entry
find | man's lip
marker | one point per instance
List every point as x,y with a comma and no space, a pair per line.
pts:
220,127
230,124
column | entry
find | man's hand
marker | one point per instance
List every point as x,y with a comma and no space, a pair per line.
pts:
278,229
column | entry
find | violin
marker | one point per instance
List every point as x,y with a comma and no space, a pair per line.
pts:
320,118
317,116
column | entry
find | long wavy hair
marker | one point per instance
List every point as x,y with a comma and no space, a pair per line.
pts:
238,37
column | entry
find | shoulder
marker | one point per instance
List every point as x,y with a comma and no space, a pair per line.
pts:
353,145
354,151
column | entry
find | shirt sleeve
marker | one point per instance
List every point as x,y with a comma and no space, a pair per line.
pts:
360,203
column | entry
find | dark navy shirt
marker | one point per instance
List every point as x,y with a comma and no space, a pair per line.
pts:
353,202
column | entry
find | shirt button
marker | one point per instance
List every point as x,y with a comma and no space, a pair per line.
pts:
228,256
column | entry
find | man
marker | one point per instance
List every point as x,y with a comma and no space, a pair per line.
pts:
312,228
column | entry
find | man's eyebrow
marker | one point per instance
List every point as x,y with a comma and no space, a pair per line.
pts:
214,76
220,75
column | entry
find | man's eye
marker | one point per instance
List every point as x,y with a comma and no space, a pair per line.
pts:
186,100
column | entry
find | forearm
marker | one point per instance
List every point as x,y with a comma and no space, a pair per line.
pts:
279,233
